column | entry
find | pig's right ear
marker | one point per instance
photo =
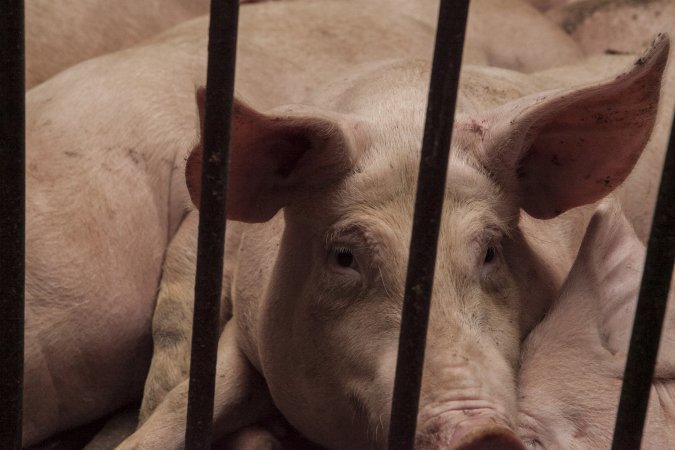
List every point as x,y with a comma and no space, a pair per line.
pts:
275,157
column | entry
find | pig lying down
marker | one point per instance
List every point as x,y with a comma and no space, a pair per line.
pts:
573,362
106,195
321,202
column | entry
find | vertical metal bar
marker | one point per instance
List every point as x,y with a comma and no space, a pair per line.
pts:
651,307
426,221
12,221
217,128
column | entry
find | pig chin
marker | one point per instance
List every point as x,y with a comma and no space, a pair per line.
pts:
467,429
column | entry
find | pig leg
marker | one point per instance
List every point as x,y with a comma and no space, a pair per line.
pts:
241,398
172,321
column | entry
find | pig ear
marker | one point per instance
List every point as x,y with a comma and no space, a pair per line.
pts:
571,148
275,157
610,262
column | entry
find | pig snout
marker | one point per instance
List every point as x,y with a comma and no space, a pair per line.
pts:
485,436
468,430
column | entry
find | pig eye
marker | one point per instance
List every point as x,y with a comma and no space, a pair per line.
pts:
490,254
344,258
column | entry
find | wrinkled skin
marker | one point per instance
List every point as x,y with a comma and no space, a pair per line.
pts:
308,283
573,362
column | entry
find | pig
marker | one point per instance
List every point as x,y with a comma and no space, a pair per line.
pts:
61,34
573,362
320,202
615,26
491,24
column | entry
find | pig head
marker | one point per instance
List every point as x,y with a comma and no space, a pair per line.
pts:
317,291
573,362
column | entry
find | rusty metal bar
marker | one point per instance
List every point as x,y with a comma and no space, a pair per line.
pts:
651,308
208,282
426,221
12,221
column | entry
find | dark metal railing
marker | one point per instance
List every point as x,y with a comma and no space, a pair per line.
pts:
217,129
426,221
651,308
12,221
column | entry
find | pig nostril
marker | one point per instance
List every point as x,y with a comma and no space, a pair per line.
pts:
492,438
344,257
490,254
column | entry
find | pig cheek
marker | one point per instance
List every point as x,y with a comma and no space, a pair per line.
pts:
358,335
501,299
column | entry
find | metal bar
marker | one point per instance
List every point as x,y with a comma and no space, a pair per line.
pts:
12,221
426,220
651,307
208,282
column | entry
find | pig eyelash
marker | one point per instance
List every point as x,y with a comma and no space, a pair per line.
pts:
344,257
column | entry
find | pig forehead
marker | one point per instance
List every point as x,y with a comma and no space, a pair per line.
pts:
384,192
388,177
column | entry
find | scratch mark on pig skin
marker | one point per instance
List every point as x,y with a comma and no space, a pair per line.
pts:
555,160
477,128
72,154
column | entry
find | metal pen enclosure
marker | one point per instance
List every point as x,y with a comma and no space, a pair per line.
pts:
437,136
12,220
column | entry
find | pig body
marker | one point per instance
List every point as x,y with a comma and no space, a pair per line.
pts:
573,362
492,23
616,26
61,34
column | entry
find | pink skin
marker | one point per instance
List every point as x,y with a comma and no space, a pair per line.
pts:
573,362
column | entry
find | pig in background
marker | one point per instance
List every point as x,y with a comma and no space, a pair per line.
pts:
614,26
573,362
60,34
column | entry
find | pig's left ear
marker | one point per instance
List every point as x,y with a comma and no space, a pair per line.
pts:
570,148
276,157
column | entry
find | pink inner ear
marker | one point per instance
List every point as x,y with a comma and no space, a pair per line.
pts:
582,155
273,158
584,143
262,159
